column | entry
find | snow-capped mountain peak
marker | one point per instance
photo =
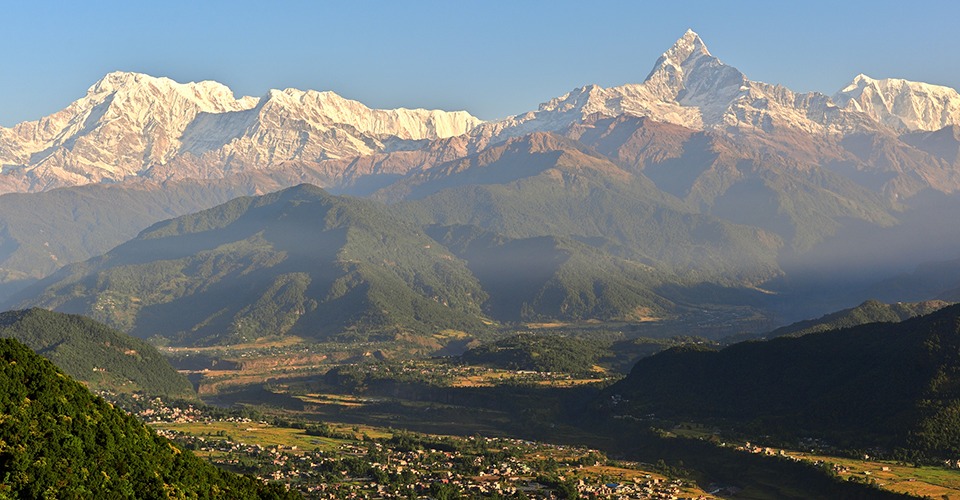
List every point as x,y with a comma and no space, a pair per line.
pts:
128,124
687,86
689,75
136,125
902,104
327,109
208,95
125,122
111,82
684,52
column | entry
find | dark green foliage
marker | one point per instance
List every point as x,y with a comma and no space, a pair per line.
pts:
539,352
882,384
622,355
298,261
441,491
101,357
59,441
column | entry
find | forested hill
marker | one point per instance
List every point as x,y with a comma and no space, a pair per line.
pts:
57,440
298,261
99,356
882,384
871,311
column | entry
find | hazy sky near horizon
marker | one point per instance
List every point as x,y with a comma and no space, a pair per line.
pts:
493,58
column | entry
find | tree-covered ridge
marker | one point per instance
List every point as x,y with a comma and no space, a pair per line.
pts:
871,311
57,440
99,356
576,239
776,180
572,351
298,261
539,352
881,384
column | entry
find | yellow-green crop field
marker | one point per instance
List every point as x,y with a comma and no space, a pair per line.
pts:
927,481
267,435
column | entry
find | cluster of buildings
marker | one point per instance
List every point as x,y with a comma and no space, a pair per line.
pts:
375,469
474,467
158,411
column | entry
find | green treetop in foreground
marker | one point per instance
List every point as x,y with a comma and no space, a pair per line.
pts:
57,440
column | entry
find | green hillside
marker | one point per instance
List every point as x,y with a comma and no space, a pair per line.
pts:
298,261
59,441
882,384
544,353
100,357
871,311
546,277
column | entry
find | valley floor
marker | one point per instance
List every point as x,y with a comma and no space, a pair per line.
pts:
335,445
342,461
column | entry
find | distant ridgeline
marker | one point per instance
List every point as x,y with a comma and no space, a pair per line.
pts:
614,204
57,440
298,261
893,385
871,311
577,354
304,262
99,356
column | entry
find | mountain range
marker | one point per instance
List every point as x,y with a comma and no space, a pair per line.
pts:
298,261
134,126
695,175
303,262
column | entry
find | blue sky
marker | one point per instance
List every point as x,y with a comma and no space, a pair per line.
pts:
492,58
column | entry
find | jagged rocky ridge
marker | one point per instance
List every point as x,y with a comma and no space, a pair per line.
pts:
131,126
134,125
